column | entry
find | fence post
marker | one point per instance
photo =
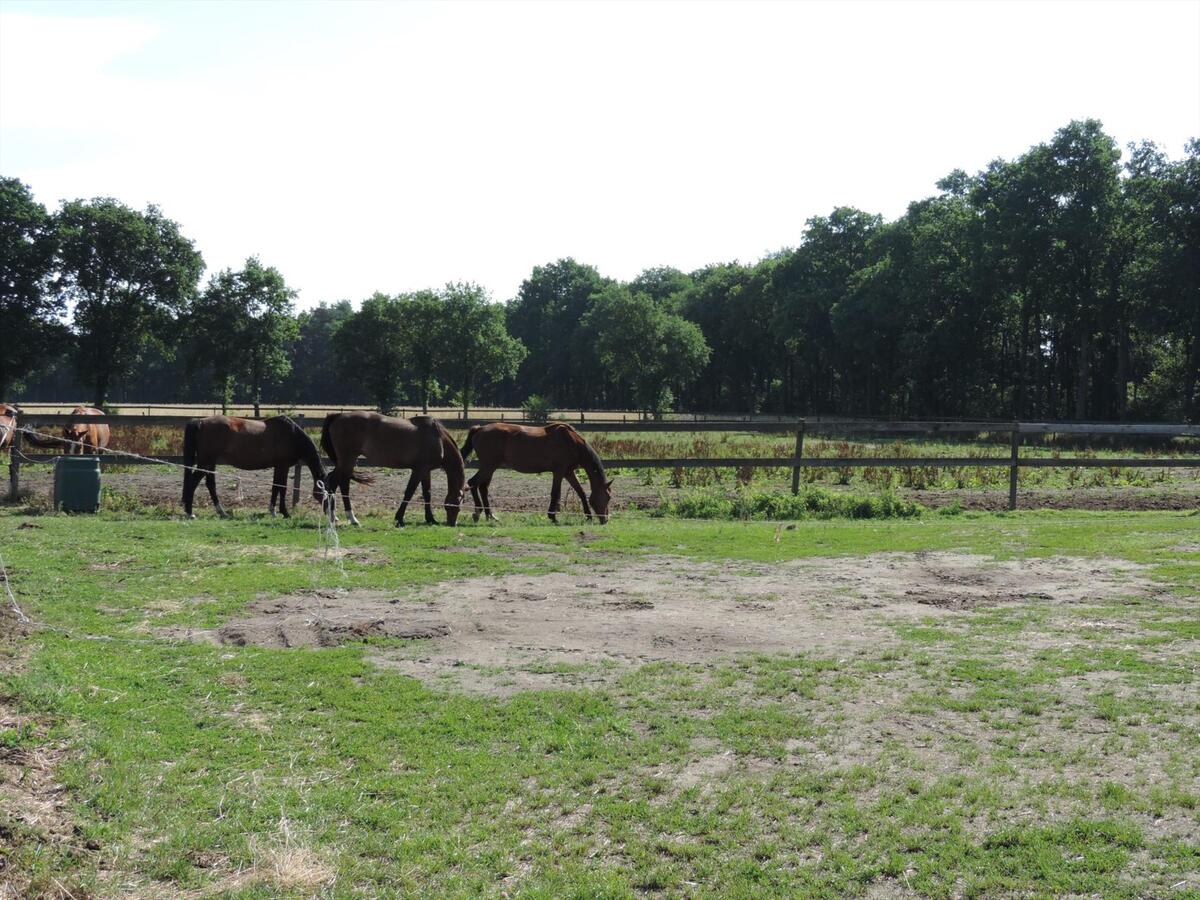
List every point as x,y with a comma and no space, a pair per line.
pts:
799,454
1013,468
14,464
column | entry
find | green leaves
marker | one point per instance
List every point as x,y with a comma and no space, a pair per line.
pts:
242,328
402,346
127,274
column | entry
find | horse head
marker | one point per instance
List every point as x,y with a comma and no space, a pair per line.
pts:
600,500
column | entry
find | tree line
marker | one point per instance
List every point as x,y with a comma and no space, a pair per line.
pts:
1061,284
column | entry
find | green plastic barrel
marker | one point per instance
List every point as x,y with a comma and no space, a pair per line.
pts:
77,483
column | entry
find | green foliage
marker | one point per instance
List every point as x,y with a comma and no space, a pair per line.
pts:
128,275
29,309
371,348
483,352
241,327
809,503
644,346
537,408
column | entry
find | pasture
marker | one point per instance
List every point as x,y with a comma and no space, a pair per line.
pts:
948,705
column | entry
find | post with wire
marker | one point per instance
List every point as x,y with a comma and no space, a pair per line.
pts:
14,464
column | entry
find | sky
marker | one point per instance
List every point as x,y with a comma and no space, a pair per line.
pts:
362,147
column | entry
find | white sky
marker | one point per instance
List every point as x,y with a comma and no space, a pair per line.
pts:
373,146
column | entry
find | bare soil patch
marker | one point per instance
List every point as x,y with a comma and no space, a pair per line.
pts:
501,635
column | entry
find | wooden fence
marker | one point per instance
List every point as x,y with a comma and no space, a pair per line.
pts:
800,427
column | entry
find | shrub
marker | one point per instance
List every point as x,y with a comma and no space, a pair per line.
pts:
537,408
810,503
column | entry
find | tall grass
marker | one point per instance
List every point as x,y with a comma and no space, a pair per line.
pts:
809,503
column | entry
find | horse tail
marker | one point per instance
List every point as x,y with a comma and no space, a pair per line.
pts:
469,447
191,441
326,440
327,446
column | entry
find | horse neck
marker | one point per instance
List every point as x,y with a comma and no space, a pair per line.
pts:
456,476
310,456
595,471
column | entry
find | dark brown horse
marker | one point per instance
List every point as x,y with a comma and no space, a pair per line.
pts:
84,438
419,443
556,448
277,443
8,424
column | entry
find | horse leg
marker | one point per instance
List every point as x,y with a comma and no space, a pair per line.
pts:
473,484
346,500
485,487
280,485
210,480
413,481
573,481
425,490
555,495
191,480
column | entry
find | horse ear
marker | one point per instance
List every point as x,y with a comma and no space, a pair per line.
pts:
609,484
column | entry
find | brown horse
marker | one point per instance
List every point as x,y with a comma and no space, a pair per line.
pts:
8,424
85,439
420,444
277,443
556,448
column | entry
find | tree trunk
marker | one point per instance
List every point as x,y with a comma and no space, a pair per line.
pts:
1081,383
466,398
425,395
1122,371
1191,401
1022,362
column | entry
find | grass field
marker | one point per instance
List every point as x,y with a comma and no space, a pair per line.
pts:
972,705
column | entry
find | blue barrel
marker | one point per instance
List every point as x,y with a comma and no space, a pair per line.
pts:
77,483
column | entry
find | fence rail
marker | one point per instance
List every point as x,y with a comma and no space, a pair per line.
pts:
813,424
1013,460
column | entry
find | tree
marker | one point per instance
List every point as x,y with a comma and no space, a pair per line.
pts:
213,323
428,340
370,348
482,351
29,307
315,375
545,316
1162,279
268,327
128,274
654,351
1086,163
244,328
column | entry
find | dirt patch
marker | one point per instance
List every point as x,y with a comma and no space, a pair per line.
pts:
505,634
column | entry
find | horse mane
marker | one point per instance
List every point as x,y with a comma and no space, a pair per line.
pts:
592,459
306,446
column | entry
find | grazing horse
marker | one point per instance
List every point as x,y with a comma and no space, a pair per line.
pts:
84,438
420,443
8,424
277,443
556,448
